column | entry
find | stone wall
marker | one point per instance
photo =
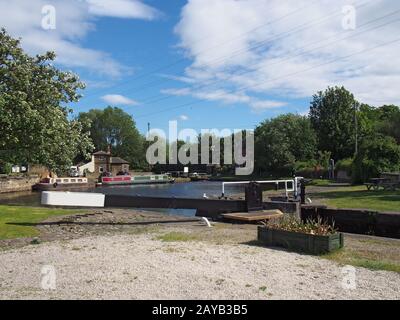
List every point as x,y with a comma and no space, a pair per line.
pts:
17,183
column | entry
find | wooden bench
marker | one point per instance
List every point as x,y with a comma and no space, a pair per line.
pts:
254,216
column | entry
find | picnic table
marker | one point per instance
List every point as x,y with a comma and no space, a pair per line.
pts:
384,183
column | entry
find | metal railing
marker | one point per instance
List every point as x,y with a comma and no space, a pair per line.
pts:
295,184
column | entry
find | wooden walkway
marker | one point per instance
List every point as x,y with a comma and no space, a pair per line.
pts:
253,216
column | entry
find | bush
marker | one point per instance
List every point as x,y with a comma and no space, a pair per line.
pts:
310,169
305,165
345,165
5,168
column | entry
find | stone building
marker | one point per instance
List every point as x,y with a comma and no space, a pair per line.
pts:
103,162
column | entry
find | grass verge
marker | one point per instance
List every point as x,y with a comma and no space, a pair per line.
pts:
368,252
348,257
16,221
357,197
320,183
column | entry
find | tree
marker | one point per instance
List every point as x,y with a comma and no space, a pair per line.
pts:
113,127
332,114
34,122
376,155
389,121
282,141
384,120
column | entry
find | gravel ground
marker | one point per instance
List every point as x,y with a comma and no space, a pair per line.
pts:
142,267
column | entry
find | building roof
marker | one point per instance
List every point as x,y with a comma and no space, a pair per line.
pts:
118,160
101,153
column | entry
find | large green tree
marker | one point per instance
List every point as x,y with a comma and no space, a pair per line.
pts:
376,155
333,116
282,141
113,127
34,97
389,121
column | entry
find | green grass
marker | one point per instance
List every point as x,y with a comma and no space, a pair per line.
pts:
17,222
350,257
176,237
320,182
357,197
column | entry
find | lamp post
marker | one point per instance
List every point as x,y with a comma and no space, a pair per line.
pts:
356,128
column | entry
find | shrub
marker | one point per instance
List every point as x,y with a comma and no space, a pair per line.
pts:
305,165
5,168
345,165
310,169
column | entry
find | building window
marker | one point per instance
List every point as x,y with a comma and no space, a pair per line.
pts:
101,169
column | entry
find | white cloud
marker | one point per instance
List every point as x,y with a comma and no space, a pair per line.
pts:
75,19
116,99
257,105
261,105
210,95
122,9
184,117
178,78
289,50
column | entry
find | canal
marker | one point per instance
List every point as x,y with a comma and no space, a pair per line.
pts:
177,190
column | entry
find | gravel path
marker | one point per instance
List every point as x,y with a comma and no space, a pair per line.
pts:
140,267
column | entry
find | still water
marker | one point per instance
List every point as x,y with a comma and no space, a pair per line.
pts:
178,190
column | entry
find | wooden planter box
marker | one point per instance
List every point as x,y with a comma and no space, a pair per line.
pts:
301,242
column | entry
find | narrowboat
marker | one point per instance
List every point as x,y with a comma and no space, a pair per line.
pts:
55,184
132,180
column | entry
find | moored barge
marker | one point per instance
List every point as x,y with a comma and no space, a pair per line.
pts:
134,180
55,184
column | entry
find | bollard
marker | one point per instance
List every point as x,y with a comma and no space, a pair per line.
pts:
254,200
303,191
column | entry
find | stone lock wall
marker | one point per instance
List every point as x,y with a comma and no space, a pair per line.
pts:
18,183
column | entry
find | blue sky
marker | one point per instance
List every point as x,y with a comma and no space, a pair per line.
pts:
215,64
152,52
